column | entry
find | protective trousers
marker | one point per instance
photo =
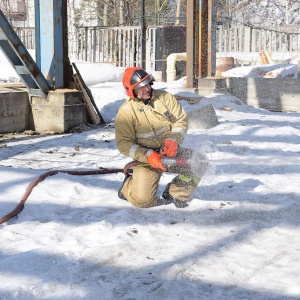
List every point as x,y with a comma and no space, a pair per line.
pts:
140,189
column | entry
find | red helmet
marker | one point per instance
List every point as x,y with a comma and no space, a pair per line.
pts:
135,77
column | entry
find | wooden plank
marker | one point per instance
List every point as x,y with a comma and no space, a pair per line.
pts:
268,57
263,58
88,99
90,109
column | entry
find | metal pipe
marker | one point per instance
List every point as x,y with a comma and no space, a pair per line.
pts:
171,64
143,44
190,30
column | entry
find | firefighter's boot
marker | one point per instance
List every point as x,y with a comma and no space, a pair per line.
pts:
180,190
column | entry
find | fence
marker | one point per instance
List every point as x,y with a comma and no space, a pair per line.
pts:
240,38
122,45
27,36
118,45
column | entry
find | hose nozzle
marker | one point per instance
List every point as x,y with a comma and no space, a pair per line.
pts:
170,162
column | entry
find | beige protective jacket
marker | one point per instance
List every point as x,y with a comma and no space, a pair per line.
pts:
140,127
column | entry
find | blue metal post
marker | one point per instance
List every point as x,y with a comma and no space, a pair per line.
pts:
51,43
59,43
45,38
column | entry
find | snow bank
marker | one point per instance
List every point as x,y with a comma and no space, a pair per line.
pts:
264,71
95,73
92,73
7,73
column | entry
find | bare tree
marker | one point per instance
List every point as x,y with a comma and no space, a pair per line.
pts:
127,12
259,12
178,10
105,13
121,12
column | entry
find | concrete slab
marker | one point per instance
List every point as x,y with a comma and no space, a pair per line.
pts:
210,85
274,94
14,111
62,110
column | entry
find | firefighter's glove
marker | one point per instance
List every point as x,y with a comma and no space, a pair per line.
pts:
170,148
154,160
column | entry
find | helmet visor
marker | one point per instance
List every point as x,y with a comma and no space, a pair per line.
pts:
146,81
138,76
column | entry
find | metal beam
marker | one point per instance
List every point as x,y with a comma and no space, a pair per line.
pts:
211,34
143,39
201,40
207,38
21,60
61,62
51,41
44,41
190,34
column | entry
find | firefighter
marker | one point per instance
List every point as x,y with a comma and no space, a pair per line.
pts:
149,125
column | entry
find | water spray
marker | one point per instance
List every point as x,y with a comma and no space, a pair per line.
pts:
199,162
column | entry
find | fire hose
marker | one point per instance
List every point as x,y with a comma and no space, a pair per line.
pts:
42,177
127,169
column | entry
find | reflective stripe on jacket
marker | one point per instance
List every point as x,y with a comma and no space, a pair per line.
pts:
140,127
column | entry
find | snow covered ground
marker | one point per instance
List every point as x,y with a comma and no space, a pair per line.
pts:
75,239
